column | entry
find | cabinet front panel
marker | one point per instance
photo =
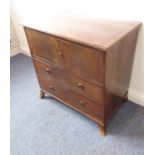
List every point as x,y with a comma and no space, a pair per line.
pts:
42,45
83,60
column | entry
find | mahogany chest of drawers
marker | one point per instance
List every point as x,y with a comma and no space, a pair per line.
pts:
86,64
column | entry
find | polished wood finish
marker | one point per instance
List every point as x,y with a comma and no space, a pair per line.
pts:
87,69
70,97
81,86
41,48
90,64
119,60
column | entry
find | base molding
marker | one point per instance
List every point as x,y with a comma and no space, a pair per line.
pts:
136,96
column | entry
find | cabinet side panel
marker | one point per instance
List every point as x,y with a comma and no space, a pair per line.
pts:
119,60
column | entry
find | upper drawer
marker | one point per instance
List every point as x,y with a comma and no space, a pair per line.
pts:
42,45
82,60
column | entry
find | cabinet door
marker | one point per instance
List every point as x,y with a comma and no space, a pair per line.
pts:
42,45
85,61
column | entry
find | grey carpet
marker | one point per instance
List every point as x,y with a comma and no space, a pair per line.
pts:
47,127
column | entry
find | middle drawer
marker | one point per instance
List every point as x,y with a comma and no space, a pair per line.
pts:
80,86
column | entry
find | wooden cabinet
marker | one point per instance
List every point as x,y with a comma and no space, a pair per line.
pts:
86,70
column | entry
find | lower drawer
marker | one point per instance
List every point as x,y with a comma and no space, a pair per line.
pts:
68,96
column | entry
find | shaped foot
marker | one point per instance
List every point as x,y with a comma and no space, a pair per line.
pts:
125,97
42,94
102,130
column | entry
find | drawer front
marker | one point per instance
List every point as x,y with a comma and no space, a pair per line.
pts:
82,60
42,45
91,91
71,98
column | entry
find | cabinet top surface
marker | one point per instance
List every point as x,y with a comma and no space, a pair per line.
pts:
93,32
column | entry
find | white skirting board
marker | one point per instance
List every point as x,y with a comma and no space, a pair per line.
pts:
136,96
25,50
133,95
14,43
15,52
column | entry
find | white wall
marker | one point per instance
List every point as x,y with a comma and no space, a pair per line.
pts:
120,9
14,44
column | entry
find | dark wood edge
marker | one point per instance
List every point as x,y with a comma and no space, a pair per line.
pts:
104,78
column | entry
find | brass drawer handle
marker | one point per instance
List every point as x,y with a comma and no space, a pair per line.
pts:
48,70
80,85
60,54
81,103
52,87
